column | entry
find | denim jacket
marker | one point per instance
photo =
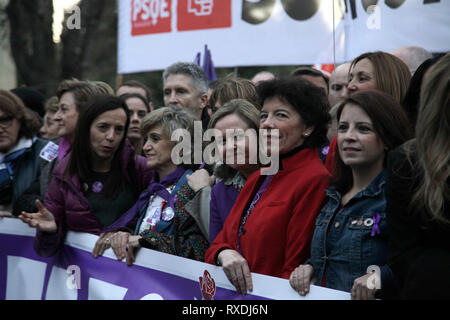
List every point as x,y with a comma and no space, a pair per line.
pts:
353,242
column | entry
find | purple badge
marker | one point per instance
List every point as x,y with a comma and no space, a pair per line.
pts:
325,150
375,227
97,186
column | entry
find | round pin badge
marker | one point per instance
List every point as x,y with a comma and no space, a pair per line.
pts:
97,186
167,214
368,222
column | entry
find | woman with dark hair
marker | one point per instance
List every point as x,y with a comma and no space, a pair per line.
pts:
19,151
161,222
139,107
351,230
93,186
270,226
418,198
73,97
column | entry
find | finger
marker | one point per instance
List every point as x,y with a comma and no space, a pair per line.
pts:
247,277
292,280
231,274
305,280
124,244
5,214
26,215
358,293
40,206
115,245
364,293
130,256
240,278
96,248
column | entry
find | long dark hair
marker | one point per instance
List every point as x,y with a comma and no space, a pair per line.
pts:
389,122
80,162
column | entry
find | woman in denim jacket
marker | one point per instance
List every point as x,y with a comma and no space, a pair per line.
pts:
350,238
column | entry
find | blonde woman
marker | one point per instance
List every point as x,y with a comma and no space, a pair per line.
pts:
418,195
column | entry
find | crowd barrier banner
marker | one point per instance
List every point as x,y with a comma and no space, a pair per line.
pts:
74,274
152,34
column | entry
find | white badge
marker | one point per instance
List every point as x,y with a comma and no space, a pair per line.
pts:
50,152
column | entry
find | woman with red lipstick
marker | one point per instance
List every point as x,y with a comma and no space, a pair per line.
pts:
270,226
161,221
351,235
95,184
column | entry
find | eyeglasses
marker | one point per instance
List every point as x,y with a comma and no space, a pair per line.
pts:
6,122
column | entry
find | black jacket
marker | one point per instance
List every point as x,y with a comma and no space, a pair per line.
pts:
419,248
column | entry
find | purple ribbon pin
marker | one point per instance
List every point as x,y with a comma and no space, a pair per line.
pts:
376,227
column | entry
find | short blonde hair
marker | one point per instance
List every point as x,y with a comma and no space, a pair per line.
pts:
168,119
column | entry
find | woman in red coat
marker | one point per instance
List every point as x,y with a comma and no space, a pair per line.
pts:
270,226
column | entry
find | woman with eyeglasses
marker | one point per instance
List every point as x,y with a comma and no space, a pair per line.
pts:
19,151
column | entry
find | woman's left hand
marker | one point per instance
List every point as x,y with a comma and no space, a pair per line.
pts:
360,290
200,179
6,214
133,245
103,243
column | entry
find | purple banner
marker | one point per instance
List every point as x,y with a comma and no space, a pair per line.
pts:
74,274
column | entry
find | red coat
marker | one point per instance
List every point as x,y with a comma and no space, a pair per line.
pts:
278,231
330,162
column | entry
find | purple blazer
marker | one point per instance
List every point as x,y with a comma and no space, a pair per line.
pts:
72,211
223,197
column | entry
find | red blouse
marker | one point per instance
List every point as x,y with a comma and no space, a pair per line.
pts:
278,231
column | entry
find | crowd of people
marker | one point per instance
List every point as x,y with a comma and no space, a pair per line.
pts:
361,189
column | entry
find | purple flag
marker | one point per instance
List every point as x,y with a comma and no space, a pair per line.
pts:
197,59
208,65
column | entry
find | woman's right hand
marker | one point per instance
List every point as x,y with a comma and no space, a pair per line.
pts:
301,278
200,179
43,220
236,268
119,242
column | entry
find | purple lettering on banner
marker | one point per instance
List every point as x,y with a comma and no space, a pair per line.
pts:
137,281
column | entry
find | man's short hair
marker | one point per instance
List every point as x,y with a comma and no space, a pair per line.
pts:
197,74
310,72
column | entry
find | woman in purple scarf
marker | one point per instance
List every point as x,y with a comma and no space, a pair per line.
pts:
160,220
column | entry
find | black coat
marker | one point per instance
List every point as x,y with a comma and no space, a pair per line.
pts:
419,248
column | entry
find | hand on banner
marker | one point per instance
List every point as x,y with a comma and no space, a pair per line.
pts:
133,245
236,268
43,220
360,290
301,278
200,179
6,214
102,243
119,242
